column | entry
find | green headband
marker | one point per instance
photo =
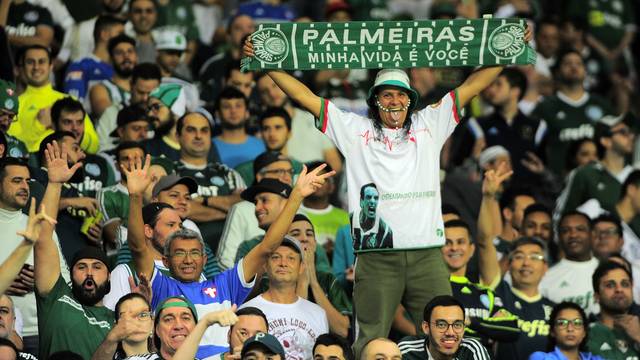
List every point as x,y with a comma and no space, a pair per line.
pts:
184,304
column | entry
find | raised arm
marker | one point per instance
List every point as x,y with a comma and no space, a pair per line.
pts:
490,224
306,185
188,349
138,178
294,89
480,79
46,256
12,265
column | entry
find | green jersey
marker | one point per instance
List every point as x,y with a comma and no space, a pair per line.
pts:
214,179
178,14
322,260
608,19
97,174
66,324
326,222
16,148
611,344
568,120
592,181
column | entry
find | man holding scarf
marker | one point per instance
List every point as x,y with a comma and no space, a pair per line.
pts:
398,150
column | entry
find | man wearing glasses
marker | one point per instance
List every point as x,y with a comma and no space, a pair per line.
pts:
560,283
8,113
443,324
527,266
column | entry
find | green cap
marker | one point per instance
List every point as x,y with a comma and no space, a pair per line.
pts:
172,96
8,96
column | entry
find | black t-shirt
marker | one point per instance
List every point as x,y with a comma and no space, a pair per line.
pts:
24,19
533,321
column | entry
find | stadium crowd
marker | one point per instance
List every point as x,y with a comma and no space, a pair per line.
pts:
156,202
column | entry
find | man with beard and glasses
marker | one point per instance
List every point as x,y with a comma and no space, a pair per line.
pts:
95,67
75,206
144,79
14,196
34,118
571,112
67,114
117,90
443,324
8,112
68,317
616,334
78,43
560,283
234,145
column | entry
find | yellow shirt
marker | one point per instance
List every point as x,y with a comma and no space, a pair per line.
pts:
29,130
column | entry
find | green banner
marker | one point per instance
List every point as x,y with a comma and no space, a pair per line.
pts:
389,44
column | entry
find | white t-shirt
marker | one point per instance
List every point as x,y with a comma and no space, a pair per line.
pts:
405,170
571,281
296,326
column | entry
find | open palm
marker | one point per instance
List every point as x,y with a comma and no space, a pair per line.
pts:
57,164
308,183
138,177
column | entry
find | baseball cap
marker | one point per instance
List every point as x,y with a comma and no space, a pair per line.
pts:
266,185
172,96
90,252
290,241
169,39
265,340
392,77
150,211
491,153
8,96
267,158
168,181
128,115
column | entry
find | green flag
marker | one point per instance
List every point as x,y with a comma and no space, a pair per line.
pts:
389,44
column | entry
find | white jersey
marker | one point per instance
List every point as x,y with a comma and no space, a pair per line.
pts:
404,169
560,283
296,326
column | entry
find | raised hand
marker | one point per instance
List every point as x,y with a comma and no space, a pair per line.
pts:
34,223
57,164
225,317
493,179
138,177
308,183
143,288
247,49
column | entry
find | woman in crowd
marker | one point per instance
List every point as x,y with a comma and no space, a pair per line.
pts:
568,335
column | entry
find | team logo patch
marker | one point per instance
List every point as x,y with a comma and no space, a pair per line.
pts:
31,16
217,181
92,169
15,152
270,46
181,13
9,104
622,345
212,291
507,41
594,113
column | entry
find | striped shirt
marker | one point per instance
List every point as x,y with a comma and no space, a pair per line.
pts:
415,348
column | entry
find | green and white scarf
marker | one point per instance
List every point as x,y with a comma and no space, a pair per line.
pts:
389,44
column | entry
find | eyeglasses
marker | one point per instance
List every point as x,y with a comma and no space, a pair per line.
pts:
145,315
154,107
606,232
278,172
181,254
443,325
522,257
564,323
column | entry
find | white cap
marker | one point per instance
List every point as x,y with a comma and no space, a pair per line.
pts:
169,39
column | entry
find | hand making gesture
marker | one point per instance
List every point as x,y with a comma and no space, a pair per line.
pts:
57,164
34,223
493,179
137,174
308,183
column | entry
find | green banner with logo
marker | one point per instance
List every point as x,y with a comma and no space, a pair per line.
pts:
389,44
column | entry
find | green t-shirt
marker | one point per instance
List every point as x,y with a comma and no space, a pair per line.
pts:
97,174
568,121
246,170
611,344
326,222
213,180
608,19
65,324
322,260
178,14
